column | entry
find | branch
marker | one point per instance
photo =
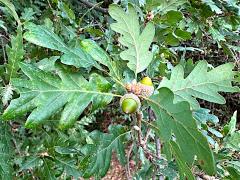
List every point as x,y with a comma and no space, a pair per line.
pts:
128,173
139,124
152,117
94,6
158,147
147,135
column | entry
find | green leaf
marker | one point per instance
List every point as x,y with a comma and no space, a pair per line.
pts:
171,40
47,64
169,171
145,172
234,164
233,173
101,56
231,126
48,172
94,32
163,6
86,120
137,43
177,119
200,83
98,155
6,94
234,4
216,35
233,141
12,10
101,85
65,150
184,170
45,94
15,54
66,11
6,150
184,35
172,17
28,13
69,167
203,116
151,4
213,6
45,37
30,163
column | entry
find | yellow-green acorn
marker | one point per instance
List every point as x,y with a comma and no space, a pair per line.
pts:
146,81
130,103
147,87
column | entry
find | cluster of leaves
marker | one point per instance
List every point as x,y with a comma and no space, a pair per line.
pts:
58,74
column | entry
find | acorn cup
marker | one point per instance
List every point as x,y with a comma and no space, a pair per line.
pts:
134,87
143,88
130,103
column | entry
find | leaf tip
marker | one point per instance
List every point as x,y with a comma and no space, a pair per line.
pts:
30,125
5,116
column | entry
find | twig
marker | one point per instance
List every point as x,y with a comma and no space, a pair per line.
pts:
151,118
157,140
91,5
13,140
147,136
158,147
158,153
149,153
151,115
139,124
128,173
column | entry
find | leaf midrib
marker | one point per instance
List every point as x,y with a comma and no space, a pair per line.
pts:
135,47
75,90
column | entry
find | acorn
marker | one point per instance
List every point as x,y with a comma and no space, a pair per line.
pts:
130,103
146,86
146,81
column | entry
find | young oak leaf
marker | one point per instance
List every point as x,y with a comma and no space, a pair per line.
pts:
137,54
97,156
200,83
175,121
45,37
45,94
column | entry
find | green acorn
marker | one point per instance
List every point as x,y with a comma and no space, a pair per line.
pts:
146,81
130,103
146,87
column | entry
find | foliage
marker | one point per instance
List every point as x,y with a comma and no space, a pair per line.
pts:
48,94
191,142
194,85
137,54
65,65
99,152
230,149
5,152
